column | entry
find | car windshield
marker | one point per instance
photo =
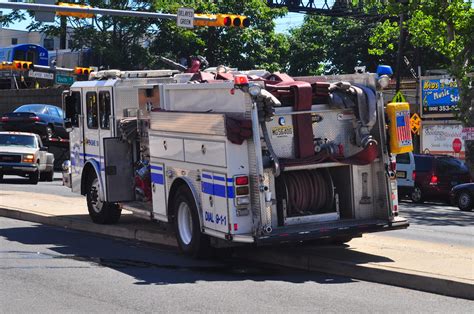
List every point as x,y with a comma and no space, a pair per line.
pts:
31,108
17,140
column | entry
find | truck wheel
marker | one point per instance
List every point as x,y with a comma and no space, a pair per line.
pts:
188,230
416,195
464,201
34,177
100,212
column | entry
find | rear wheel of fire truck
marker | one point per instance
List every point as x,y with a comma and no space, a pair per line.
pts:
188,230
416,195
101,212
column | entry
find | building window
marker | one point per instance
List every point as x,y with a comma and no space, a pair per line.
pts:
48,43
14,41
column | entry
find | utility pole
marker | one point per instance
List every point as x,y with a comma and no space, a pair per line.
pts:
401,43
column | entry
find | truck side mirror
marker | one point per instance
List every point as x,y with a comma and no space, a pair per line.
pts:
68,125
44,148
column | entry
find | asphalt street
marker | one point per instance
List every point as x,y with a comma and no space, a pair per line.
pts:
436,222
47,269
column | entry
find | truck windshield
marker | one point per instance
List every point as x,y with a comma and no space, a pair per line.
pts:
17,140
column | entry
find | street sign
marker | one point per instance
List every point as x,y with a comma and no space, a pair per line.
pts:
415,123
457,145
467,134
44,16
398,97
64,79
41,75
185,17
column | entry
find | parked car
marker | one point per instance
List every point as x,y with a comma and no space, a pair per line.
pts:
429,177
23,154
45,120
462,196
405,174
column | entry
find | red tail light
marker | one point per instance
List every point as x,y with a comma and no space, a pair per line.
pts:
393,165
434,179
35,118
4,119
242,180
413,175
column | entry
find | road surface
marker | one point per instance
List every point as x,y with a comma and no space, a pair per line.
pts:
47,269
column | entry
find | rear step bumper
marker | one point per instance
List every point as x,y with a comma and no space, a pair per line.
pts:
315,231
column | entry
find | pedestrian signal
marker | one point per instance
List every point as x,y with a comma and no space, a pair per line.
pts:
223,20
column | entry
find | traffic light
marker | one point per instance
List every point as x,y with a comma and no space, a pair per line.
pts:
75,14
82,71
223,20
22,65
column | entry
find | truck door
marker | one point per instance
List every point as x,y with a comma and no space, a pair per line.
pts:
73,115
92,150
105,116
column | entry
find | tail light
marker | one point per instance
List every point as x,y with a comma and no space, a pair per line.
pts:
413,175
4,119
242,190
35,118
433,180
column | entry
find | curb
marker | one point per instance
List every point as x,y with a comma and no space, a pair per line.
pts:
108,230
372,273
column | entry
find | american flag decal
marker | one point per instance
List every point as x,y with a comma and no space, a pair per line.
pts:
403,128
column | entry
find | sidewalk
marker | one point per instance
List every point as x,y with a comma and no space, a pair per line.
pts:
432,267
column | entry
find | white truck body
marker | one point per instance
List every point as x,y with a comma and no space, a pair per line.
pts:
182,135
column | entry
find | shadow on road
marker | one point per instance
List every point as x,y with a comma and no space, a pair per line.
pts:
436,214
156,265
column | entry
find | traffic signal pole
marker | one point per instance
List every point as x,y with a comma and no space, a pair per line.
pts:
92,11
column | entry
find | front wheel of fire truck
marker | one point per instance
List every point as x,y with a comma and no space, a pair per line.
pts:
187,227
101,212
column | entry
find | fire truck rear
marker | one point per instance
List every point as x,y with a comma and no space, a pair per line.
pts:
250,157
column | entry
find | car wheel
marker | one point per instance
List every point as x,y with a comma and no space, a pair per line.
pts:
416,195
101,212
464,201
188,230
34,177
49,176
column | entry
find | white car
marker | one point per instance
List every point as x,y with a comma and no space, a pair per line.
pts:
23,154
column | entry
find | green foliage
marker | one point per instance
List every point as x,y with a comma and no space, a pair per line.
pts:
446,27
331,45
255,47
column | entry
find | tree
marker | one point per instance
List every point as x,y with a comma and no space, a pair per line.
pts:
116,42
331,45
255,47
446,27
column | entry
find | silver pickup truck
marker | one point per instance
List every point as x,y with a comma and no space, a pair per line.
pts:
23,154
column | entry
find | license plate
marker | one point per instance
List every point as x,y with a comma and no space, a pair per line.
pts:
401,174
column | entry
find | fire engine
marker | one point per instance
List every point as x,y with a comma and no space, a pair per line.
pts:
233,157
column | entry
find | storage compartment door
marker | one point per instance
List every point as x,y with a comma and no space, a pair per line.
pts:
118,159
214,201
158,188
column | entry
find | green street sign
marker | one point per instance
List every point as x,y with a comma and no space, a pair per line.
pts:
64,79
